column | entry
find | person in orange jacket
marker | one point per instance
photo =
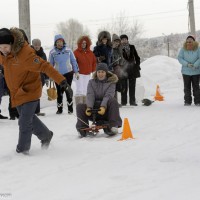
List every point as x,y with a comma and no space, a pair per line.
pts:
22,69
87,64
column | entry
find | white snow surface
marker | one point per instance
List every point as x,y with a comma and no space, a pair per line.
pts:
161,163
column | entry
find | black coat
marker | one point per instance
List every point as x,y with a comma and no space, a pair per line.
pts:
132,63
104,51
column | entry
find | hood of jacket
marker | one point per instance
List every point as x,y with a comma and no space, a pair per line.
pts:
110,77
18,40
104,34
80,40
195,46
58,36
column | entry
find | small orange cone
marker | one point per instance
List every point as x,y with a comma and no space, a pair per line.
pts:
158,96
126,130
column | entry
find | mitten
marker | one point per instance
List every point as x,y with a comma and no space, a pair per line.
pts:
88,112
102,110
65,86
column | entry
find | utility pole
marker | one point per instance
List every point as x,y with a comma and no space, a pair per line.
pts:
166,40
191,16
24,17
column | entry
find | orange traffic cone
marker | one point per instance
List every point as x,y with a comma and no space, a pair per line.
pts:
126,130
158,96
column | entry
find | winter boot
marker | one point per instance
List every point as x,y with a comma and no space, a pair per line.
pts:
82,133
60,109
45,143
3,117
26,152
40,114
70,108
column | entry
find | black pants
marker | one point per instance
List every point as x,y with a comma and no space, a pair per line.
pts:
69,77
128,84
38,107
111,115
191,83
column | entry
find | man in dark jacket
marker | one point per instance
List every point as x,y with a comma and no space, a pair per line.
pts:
100,95
36,44
131,71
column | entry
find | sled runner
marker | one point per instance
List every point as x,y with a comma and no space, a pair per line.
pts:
96,126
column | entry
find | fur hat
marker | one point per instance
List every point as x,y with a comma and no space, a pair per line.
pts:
123,36
191,36
102,66
6,37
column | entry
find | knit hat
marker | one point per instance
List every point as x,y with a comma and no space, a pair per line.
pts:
6,37
123,36
191,36
36,42
115,37
102,66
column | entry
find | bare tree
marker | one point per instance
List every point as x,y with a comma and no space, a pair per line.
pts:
71,31
122,25
136,30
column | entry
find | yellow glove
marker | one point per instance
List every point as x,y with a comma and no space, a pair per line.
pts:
87,112
102,110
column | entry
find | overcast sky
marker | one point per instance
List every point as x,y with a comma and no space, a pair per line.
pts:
156,16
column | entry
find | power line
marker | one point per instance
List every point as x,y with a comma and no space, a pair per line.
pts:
141,15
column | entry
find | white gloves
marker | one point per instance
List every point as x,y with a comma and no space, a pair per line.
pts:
77,75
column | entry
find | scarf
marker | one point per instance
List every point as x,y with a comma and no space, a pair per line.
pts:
126,49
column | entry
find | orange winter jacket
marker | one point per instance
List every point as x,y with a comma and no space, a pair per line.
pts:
86,59
22,69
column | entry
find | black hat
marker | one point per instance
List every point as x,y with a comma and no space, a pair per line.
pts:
102,66
123,36
6,37
190,36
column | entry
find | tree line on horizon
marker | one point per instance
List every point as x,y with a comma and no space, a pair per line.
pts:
146,47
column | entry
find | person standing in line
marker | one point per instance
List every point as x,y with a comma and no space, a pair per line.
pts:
189,58
22,69
117,62
1,90
63,60
87,64
36,45
131,71
103,49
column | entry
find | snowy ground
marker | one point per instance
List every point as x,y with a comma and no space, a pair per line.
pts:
162,163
